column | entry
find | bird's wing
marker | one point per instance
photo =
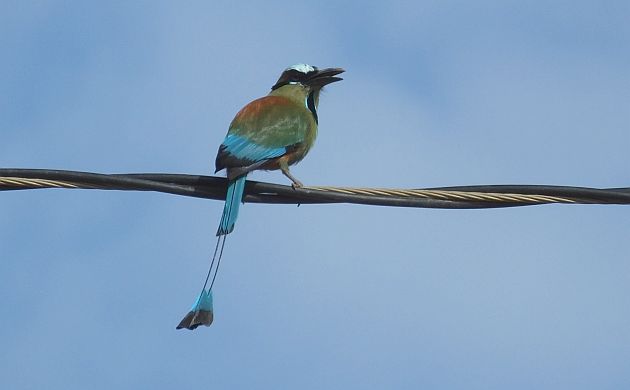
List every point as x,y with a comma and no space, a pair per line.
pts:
264,129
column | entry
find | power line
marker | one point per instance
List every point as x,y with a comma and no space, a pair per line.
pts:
211,187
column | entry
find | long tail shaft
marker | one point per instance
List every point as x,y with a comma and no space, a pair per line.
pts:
202,312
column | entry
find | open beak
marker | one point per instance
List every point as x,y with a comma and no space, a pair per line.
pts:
324,77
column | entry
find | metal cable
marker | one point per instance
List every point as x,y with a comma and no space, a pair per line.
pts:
210,187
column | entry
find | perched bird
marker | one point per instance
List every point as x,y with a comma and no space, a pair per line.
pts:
269,133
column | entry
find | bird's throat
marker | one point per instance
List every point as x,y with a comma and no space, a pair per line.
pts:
310,104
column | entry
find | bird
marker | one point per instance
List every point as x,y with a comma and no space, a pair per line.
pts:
270,133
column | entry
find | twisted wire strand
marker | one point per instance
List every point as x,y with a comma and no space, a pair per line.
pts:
449,195
17,182
210,187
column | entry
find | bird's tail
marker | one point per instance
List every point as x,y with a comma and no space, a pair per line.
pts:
202,312
232,203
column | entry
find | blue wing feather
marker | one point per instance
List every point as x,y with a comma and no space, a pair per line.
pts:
243,149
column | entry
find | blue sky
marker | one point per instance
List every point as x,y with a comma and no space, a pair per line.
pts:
436,93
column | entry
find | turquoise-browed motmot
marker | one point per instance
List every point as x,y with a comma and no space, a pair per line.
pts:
269,133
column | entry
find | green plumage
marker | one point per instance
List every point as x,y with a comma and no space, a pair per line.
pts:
269,133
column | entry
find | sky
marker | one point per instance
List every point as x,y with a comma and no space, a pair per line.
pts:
436,93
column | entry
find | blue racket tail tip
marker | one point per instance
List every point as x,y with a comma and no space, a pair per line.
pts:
201,312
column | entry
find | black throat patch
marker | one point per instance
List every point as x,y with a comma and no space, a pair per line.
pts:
310,103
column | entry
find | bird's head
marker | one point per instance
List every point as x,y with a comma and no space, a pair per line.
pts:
308,77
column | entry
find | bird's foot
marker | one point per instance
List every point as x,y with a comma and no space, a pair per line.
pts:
285,170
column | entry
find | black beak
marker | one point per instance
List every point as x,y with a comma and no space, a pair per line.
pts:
323,77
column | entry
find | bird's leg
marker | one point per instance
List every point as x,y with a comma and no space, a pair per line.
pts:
284,167
296,183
